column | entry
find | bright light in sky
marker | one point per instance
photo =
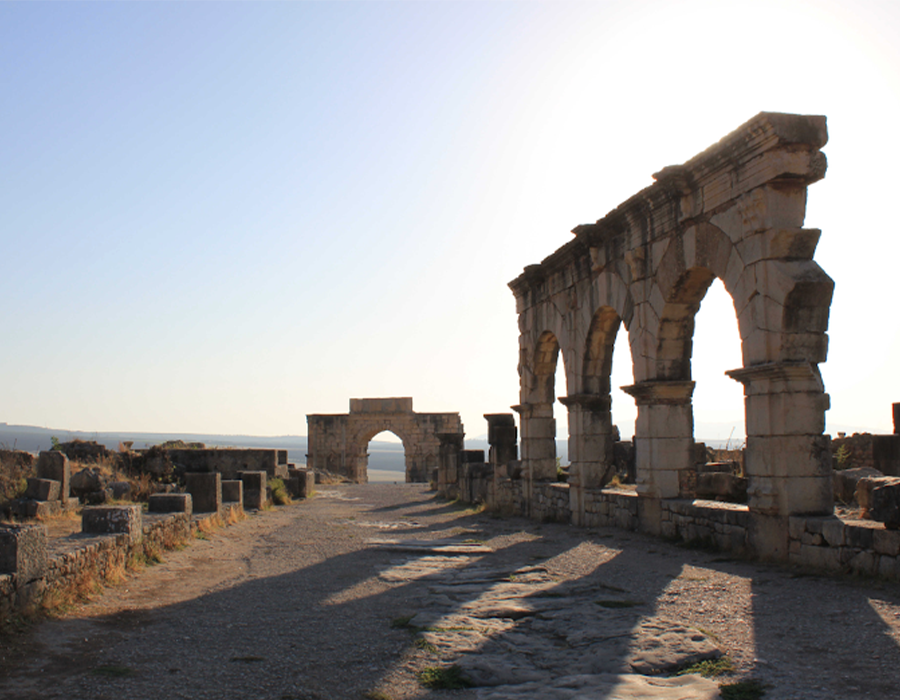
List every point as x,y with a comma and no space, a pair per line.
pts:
222,217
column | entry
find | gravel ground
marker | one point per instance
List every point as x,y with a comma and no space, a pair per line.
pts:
297,603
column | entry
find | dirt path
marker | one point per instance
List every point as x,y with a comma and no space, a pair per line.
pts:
298,603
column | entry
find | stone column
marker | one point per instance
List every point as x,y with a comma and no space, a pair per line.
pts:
788,459
448,464
503,438
538,441
590,439
663,436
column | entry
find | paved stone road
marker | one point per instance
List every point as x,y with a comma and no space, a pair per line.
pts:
350,595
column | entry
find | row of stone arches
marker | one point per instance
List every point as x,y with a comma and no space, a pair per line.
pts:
734,213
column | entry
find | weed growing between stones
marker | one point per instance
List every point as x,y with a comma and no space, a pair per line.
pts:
426,646
710,668
742,690
443,678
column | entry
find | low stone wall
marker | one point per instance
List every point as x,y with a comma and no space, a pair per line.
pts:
835,545
823,543
103,558
611,507
229,462
550,503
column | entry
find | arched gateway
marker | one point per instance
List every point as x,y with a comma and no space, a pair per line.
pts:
338,442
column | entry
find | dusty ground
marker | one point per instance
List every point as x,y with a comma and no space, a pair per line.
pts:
297,603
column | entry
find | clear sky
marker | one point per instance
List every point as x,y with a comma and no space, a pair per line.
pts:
222,217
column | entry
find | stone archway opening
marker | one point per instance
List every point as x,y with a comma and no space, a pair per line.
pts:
718,400
386,457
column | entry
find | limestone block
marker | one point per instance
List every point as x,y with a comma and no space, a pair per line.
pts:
821,558
43,489
544,448
306,483
53,464
788,456
866,485
721,485
759,346
812,347
665,421
886,542
664,453
537,428
833,531
762,208
805,495
796,413
255,497
98,520
23,551
206,490
884,504
233,490
846,480
171,503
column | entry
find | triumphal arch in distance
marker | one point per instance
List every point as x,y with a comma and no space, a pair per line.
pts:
338,443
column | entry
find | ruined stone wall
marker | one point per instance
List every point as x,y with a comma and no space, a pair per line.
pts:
100,558
881,452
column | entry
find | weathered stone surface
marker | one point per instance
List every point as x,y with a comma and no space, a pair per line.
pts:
845,481
607,685
121,490
87,481
884,504
113,520
206,491
303,482
337,443
54,465
722,485
512,628
865,488
255,497
171,503
233,491
43,490
23,551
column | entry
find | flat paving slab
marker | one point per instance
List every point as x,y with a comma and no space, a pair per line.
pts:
355,593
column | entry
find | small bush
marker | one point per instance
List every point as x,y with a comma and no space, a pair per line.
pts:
280,495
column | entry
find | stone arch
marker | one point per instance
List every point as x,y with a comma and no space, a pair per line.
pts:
338,443
733,212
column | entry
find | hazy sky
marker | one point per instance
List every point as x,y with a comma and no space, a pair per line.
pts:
222,217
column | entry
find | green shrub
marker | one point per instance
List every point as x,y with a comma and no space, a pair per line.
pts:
280,495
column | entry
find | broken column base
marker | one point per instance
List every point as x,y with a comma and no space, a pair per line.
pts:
171,503
103,520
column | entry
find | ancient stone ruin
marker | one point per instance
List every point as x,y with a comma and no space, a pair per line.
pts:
734,212
338,443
